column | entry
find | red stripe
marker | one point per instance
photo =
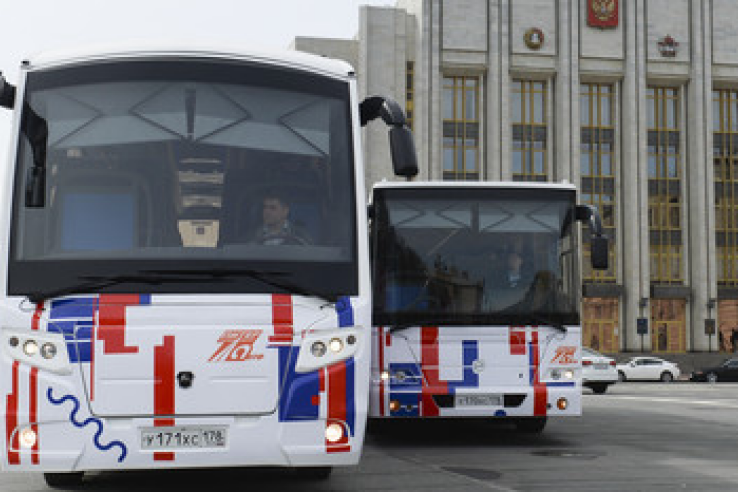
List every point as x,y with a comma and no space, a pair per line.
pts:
540,392
11,419
37,315
336,374
380,342
281,318
429,365
112,322
321,378
33,412
93,344
164,389
517,340
33,390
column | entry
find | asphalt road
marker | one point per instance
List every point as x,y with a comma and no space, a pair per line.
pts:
636,437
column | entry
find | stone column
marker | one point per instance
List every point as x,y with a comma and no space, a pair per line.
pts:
634,253
700,189
493,118
505,113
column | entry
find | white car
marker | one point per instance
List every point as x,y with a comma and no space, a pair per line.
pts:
648,368
598,371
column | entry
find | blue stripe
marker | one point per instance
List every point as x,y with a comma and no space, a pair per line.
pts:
296,400
73,308
560,385
470,379
345,312
74,318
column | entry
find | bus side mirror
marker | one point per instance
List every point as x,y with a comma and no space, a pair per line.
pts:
402,150
599,253
7,93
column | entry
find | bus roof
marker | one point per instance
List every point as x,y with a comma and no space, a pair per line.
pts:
143,50
473,184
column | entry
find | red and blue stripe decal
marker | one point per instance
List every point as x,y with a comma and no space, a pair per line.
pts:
301,394
415,394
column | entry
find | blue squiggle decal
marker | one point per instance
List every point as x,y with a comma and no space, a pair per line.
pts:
91,420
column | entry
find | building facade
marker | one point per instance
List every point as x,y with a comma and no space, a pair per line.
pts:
634,101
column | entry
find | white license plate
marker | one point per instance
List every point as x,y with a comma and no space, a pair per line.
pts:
184,437
478,400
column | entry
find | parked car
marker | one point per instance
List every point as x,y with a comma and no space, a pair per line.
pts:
598,371
728,371
648,368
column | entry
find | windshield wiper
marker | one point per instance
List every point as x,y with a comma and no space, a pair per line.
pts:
92,284
548,322
271,278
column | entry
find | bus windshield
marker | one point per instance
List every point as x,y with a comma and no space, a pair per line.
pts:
183,168
474,256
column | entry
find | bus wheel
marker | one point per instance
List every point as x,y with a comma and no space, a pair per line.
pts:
531,425
64,480
599,388
314,472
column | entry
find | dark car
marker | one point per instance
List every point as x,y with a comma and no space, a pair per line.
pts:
728,371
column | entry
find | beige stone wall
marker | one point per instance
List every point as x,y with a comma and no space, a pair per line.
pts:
601,43
464,25
533,13
724,34
670,17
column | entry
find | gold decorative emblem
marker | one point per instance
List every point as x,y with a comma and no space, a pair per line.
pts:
602,13
533,38
603,9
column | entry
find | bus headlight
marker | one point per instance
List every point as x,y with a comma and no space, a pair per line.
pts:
27,437
336,345
569,374
334,433
41,349
48,350
318,349
321,348
30,348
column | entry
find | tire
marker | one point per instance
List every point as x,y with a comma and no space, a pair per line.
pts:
531,425
64,480
711,378
599,388
622,377
314,472
666,377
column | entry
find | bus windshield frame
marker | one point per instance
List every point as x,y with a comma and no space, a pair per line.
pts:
168,165
474,256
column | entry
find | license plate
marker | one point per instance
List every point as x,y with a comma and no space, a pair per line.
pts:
601,366
478,400
183,437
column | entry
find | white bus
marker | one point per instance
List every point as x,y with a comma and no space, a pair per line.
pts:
185,264
476,300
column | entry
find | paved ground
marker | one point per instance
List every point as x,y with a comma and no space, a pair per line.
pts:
636,437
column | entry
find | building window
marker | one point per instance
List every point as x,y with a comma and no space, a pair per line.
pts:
529,119
664,186
409,92
725,159
597,161
461,128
